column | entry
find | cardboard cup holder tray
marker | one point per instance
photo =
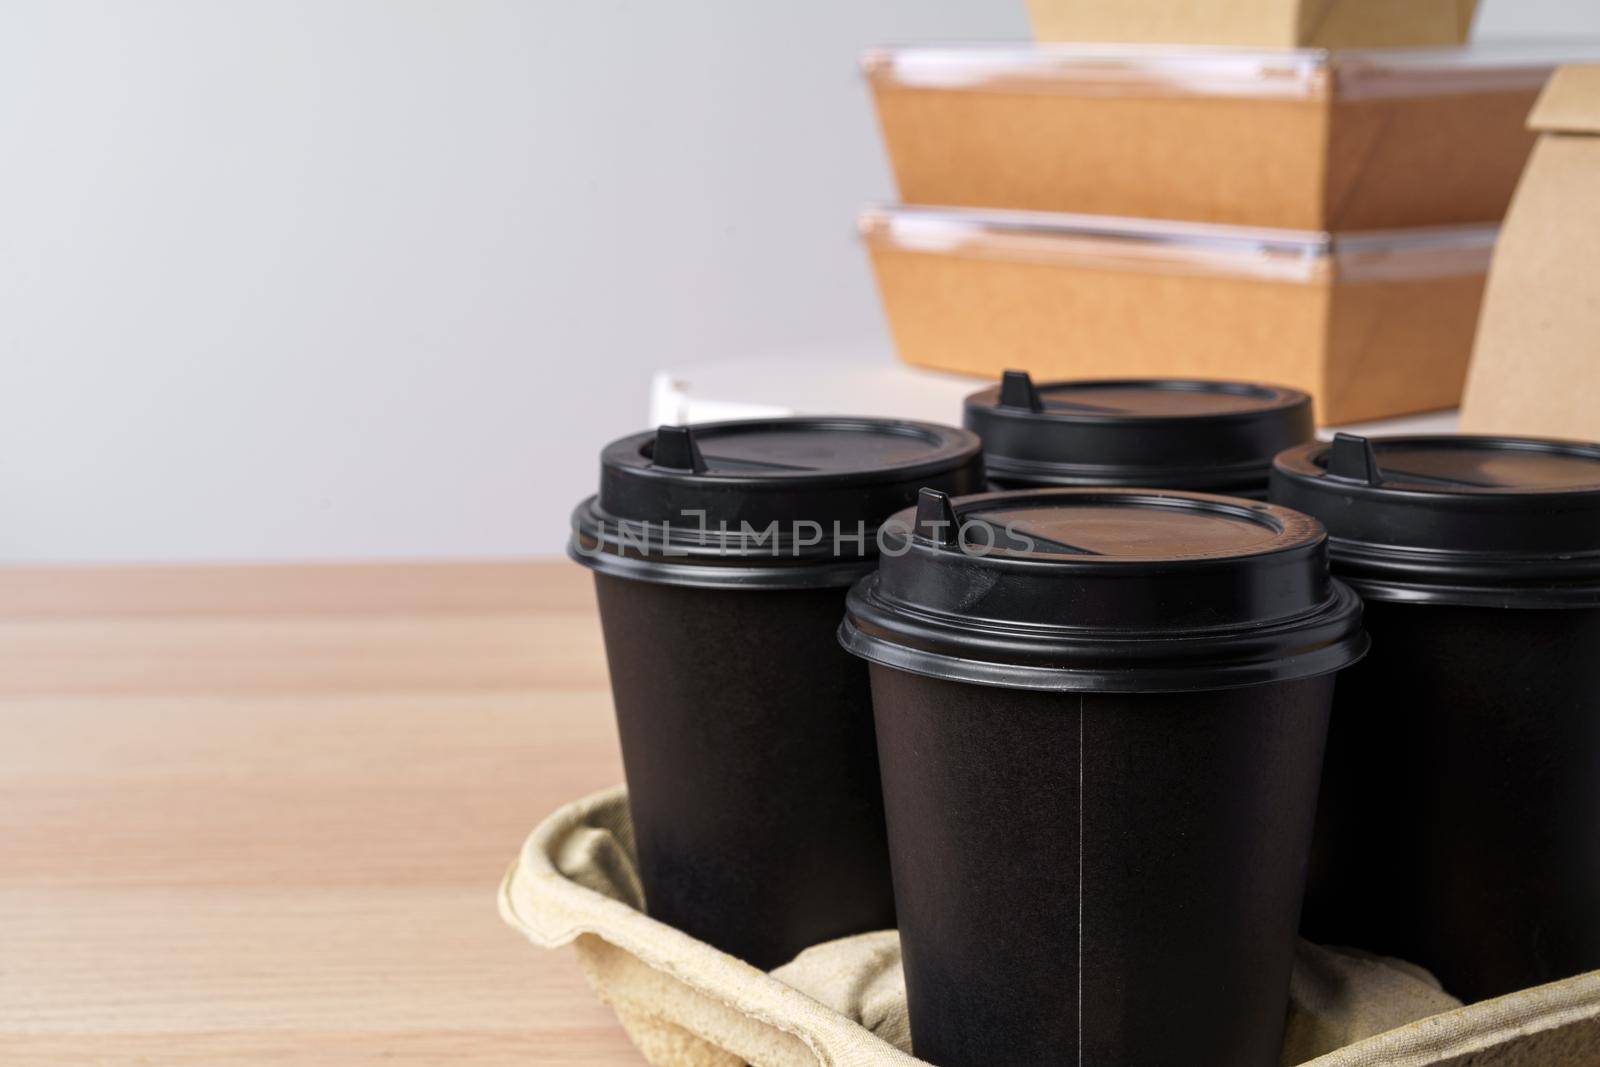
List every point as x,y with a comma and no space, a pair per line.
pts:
842,1004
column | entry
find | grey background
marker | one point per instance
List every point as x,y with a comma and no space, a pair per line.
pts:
376,278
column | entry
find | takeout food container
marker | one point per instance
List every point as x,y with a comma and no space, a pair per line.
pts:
1533,369
1371,325
1264,23
1305,139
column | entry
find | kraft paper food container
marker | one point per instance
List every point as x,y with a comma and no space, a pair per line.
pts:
1371,325
1533,372
1301,139
1261,23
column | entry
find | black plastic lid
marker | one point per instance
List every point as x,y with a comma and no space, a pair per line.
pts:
763,503
1453,519
1104,590
1156,433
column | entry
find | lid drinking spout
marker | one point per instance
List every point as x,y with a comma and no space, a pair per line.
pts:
1017,391
675,449
936,518
1352,458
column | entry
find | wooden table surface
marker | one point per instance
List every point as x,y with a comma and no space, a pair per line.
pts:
258,815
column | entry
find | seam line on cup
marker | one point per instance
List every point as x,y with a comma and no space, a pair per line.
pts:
1080,879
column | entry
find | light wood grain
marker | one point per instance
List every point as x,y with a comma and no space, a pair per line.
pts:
258,815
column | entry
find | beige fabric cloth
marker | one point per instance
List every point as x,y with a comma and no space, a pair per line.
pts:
842,1004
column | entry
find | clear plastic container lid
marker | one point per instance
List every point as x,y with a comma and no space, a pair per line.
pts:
1288,74
1110,242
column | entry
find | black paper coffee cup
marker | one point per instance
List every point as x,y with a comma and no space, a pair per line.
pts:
1100,716
722,556
1156,433
1459,826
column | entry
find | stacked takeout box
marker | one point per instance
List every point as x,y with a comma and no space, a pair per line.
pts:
1284,196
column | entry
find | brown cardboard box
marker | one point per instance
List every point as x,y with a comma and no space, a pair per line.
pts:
1372,325
1304,139
1536,370
1257,23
